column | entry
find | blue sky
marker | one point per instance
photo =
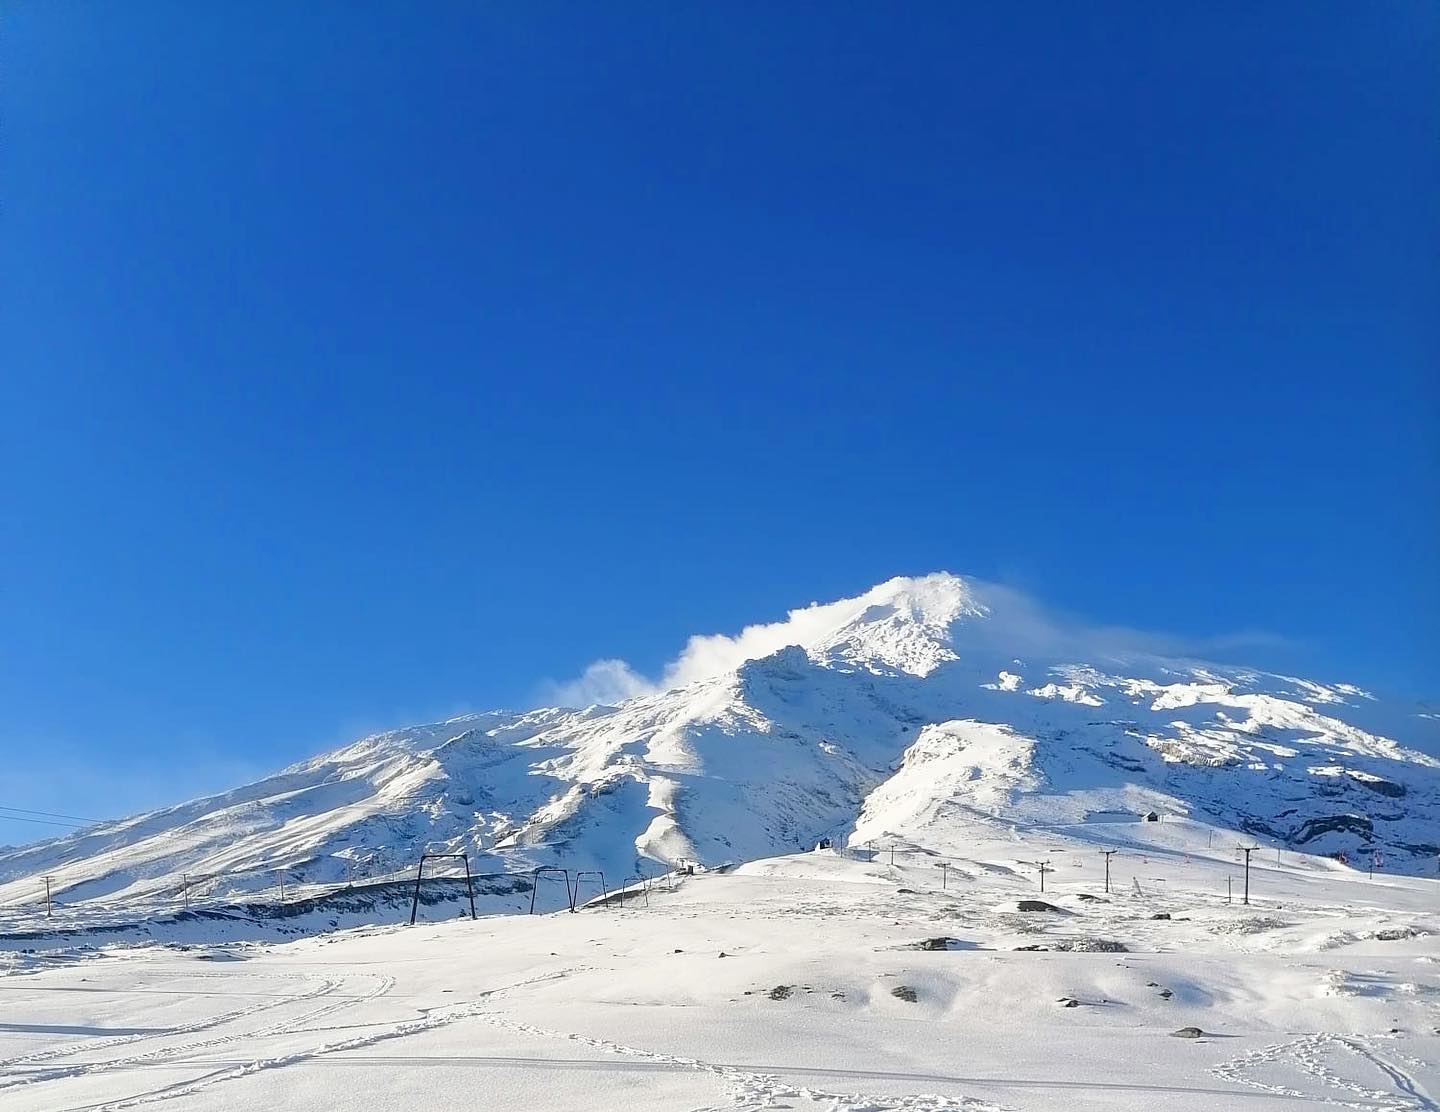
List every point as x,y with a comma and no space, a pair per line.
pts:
365,364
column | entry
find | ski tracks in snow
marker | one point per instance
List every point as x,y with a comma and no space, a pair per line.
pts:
748,1090
9,1078
1320,1056
752,1091
1402,1078
179,1055
1325,1067
429,1020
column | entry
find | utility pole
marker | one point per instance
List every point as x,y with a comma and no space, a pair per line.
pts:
185,889
1107,854
1247,851
892,855
1044,867
944,868
1229,890
282,884
47,896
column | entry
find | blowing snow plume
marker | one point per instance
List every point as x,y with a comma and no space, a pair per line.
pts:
910,623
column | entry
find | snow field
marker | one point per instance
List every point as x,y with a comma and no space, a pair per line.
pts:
1324,993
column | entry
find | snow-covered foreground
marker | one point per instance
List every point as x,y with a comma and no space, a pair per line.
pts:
796,982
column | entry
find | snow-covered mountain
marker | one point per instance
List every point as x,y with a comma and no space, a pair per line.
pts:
924,709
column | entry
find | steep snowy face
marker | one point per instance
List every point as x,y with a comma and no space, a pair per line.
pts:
903,625
897,713
952,775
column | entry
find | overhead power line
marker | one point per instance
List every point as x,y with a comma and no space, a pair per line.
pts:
43,822
48,814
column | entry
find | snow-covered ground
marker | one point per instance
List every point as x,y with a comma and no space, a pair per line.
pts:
796,982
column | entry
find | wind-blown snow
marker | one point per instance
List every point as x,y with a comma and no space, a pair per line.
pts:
904,624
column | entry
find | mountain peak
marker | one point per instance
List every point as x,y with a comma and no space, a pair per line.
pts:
902,624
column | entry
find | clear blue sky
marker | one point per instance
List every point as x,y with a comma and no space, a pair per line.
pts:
361,364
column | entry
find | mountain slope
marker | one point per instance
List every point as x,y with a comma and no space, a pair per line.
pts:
901,713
